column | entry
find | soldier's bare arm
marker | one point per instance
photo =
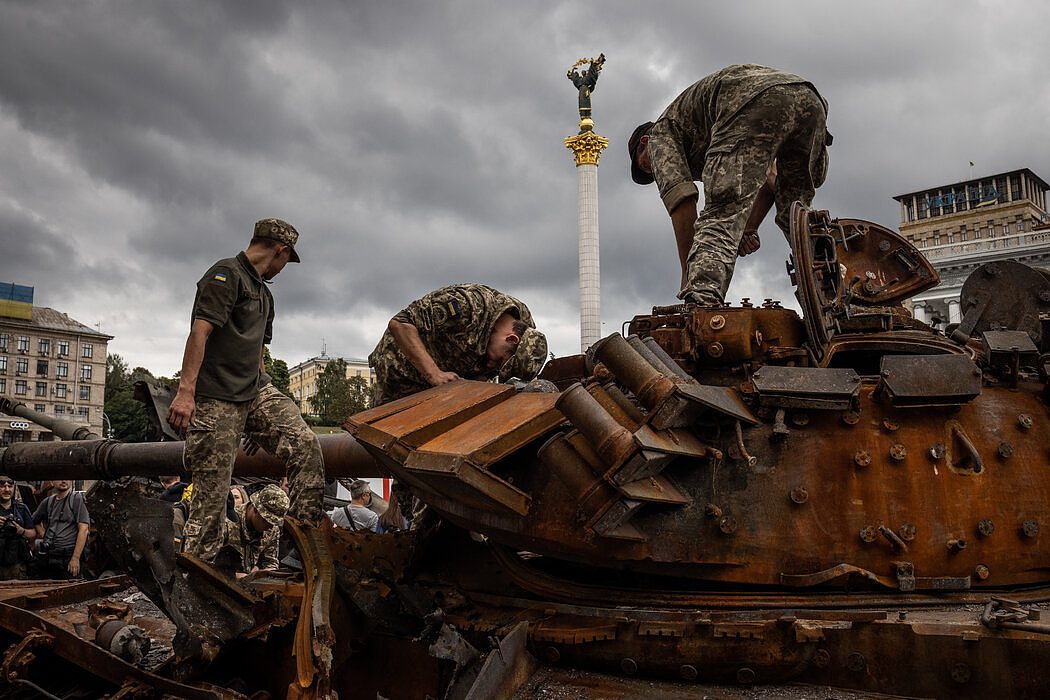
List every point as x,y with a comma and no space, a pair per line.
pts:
750,241
683,220
407,338
183,406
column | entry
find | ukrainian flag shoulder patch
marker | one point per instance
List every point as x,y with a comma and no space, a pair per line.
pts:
219,277
453,308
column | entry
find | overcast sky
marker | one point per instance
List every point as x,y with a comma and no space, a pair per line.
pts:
415,144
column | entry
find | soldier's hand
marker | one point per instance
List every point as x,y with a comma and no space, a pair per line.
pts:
436,378
181,412
74,566
749,243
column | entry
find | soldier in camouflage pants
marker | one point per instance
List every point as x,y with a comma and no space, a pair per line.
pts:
224,391
756,137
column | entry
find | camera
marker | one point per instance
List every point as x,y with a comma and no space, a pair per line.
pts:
44,546
10,527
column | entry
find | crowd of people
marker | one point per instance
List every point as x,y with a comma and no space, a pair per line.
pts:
49,542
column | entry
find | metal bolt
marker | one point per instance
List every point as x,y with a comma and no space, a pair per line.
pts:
956,545
799,420
898,452
1006,450
862,458
821,658
688,672
715,350
717,321
727,524
745,676
937,450
902,615
992,270
712,511
906,532
868,533
1030,528
799,495
891,425
1044,295
856,662
552,655
982,572
629,666
1024,421
884,246
985,527
850,417
961,673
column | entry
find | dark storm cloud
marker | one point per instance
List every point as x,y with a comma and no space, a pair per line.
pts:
415,144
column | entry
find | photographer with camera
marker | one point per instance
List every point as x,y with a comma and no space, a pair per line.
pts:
16,532
62,524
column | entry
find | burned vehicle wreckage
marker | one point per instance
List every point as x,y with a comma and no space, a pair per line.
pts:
730,495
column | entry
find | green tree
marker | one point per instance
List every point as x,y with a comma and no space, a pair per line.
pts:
360,395
278,371
127,417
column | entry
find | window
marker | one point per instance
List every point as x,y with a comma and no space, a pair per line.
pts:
43,346
1020,226
62,369
1006,229
23,343
39,407
86,350
3,363
41,368
85,393
41,388
21,387
3,386
1015,187
22,365
60,410
82,412
63,348
61,390
85,373
3,342
962,233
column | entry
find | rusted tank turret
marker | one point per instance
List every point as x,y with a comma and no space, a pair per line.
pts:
731,494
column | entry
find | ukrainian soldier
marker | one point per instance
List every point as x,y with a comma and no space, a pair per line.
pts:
755,136
224,392
467,331
256,533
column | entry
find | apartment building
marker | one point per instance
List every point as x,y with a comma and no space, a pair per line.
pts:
302,379
52,363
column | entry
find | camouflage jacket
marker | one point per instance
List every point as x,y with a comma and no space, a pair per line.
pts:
680,138
256,548
454,324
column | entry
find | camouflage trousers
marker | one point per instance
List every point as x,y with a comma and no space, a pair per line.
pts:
786,122
272,420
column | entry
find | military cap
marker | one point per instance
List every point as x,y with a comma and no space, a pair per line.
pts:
528,359
272,502
280,231
637,174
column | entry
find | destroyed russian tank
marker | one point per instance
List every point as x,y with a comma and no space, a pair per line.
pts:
733,495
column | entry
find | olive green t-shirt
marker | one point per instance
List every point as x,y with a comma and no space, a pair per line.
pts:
232,297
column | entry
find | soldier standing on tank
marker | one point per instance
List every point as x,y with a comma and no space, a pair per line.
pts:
224,392
463,331
755,136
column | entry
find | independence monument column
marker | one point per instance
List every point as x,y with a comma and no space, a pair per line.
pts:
586,147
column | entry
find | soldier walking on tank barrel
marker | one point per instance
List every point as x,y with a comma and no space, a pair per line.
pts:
224,392
755,136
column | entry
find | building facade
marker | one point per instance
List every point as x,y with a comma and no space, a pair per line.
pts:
963,225
55,365
302,379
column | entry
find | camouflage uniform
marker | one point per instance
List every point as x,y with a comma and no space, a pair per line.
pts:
455,324
233,396
254,548
726,130
272,420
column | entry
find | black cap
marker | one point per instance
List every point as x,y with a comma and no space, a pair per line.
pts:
637,174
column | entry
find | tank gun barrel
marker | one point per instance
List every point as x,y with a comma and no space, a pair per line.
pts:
111,459
65,429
